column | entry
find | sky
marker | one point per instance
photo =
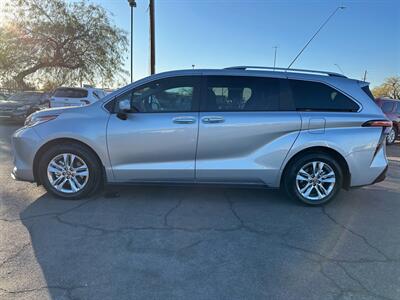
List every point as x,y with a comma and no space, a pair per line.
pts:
221,33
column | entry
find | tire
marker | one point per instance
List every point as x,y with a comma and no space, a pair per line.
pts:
293,186
82,158
392,136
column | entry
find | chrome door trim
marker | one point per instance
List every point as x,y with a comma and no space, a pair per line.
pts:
184,120
212,119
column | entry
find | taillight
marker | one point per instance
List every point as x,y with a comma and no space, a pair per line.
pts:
378,123
386,125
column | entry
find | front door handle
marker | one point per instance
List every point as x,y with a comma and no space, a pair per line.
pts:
213,120
184,120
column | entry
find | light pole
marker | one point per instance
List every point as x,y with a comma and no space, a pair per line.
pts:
132,4
152,38
340,69
315,34
276,48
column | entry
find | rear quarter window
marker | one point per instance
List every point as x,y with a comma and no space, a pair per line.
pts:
316,96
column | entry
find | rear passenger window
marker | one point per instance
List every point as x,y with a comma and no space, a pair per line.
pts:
315,96
232,93
387,107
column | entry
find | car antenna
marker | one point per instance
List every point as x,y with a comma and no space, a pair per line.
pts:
315,34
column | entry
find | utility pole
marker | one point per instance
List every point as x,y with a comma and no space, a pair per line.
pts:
132,4
276,48
152,39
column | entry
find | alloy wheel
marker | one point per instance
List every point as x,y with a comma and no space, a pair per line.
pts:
391,136
68,173
315,180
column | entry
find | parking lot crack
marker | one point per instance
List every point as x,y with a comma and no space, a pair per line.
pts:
170,211
242,224
366,241
366,290
50,214
68,290
15,255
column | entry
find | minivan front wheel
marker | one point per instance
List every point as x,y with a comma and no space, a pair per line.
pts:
69,171
313,179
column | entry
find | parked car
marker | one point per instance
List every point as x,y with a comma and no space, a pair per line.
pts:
3,96
20,105
67,96
311,133
391,108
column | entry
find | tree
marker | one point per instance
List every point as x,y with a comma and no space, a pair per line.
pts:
52,42
389,88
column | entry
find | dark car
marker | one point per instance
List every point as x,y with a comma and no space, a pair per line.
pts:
20,105
391,108
3,96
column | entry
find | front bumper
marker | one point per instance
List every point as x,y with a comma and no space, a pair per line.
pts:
25,144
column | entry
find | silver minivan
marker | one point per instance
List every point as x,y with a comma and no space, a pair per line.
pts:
311,133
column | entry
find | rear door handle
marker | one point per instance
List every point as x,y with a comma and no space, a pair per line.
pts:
213,120
184,120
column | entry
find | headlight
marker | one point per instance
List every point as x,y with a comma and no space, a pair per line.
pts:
33,120
24,107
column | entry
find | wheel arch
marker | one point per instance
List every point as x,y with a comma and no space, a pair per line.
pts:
59,141
325,150
397,126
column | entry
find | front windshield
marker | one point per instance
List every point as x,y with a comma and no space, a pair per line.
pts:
25,97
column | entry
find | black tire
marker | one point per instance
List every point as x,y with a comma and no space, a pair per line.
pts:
396,133
94,181
290,173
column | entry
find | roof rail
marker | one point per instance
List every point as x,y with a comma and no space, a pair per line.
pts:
285,70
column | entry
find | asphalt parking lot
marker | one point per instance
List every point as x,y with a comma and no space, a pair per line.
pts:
197,242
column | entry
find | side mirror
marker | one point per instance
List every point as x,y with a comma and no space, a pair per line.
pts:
123,116
124,107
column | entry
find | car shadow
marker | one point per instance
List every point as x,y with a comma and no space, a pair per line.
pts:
121,241
172,242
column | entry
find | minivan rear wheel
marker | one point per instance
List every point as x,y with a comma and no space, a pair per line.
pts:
314,179
70,171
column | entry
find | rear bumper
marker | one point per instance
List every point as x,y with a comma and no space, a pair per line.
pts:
365,168
381,176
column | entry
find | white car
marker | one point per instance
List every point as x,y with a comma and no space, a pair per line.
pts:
68,96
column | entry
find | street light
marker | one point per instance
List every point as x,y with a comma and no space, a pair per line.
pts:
276,48
315,34
340,69
132,4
